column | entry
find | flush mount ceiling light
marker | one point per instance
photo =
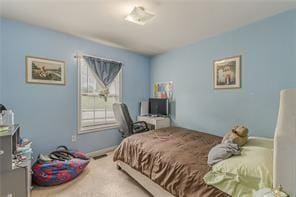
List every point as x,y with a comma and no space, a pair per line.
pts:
139,16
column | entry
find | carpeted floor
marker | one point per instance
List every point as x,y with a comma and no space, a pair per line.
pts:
100,179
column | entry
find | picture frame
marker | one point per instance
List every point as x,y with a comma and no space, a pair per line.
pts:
163,90
45,71
227,73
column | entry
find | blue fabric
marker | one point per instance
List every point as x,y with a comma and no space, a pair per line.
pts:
104,70
223,151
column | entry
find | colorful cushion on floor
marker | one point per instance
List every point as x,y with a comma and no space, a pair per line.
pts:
57,172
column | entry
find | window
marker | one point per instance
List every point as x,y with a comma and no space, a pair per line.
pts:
94,112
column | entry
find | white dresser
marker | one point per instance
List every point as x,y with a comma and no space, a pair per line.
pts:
155,122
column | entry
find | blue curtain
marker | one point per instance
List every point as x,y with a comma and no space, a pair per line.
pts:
104,70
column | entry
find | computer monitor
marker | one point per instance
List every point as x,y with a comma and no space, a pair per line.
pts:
158,107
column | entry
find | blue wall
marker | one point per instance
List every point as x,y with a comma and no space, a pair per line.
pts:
268,65
1,62
294,65
48,113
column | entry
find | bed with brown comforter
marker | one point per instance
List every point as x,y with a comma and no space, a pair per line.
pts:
174,158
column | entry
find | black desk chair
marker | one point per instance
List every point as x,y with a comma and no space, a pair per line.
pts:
127,126
2,108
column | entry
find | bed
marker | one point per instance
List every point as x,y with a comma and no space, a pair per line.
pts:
172,158
173,161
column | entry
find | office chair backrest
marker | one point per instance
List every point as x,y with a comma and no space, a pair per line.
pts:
123,118
2,108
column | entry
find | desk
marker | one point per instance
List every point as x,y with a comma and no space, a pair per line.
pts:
155,122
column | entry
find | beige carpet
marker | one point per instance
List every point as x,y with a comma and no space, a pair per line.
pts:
100,179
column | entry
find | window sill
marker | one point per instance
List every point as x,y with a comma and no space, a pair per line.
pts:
97,128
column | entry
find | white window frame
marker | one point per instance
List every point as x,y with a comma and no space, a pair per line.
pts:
101,127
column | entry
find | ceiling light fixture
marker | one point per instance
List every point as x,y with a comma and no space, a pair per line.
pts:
139,16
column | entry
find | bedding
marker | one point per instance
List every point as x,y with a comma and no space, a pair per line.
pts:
242,175
223,151
174,158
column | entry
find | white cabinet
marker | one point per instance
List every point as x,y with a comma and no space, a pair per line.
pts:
156,122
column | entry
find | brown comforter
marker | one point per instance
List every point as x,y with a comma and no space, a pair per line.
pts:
174,158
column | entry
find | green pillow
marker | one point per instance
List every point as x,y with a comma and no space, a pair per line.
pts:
244,174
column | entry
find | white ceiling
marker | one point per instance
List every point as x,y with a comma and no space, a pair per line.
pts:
177,22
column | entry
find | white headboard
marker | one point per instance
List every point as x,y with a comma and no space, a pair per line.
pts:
284,168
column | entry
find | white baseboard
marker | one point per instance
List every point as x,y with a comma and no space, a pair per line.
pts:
101,151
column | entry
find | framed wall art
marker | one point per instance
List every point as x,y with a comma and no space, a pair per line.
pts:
45,71
227,73
163,90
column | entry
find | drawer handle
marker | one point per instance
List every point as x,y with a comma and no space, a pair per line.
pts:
1,152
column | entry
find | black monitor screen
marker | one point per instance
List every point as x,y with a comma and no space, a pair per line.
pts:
158,106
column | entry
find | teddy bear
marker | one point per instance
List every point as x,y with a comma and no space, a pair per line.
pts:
237,135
